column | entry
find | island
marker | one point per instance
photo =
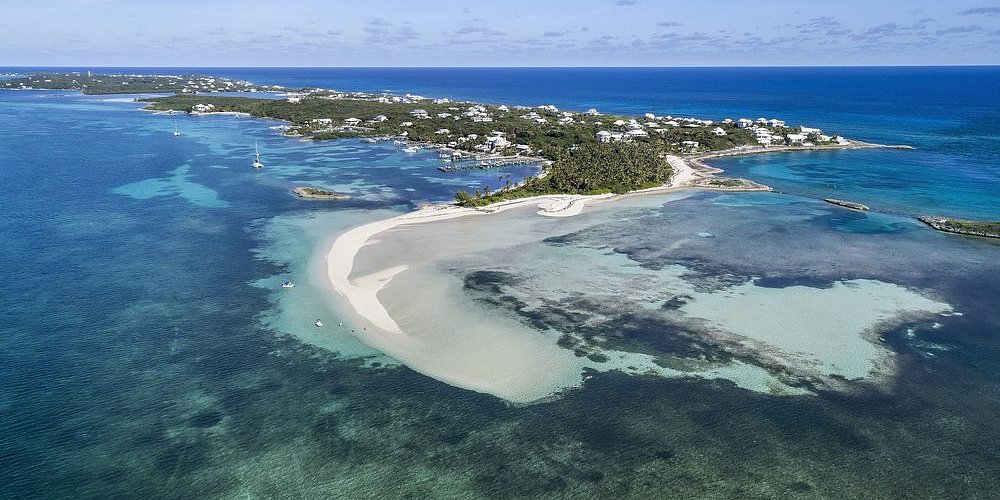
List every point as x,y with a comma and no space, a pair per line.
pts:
89,83
578,153
847,204
313,193
984,229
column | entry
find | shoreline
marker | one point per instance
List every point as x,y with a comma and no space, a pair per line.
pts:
361,293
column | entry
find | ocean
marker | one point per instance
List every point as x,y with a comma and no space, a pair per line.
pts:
149,352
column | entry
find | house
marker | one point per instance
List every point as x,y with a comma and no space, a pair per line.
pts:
419,113
523,148
690,144
202,108
406,124
776,123
442,131
505,109
745,123
352,122
592,112
604,136
540,121
809,130
380,118
636,133
496,142
443,115
796,138
649,116
719,132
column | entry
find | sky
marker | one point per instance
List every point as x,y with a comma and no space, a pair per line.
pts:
498,33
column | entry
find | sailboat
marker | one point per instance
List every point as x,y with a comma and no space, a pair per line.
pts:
177,131
256,162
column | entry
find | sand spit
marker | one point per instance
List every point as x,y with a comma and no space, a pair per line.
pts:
379,329
492,353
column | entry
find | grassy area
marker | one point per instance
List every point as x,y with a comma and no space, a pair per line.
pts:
127,84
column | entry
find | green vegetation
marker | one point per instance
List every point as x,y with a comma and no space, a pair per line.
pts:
128,84
730,183
987,229
588,169
632,155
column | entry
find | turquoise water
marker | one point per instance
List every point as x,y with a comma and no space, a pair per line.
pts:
146,351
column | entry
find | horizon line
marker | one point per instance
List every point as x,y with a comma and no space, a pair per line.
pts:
985,65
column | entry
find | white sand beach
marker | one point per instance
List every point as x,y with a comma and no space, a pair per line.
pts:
511,378
450,337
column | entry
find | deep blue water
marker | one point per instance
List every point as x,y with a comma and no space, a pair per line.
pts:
135,363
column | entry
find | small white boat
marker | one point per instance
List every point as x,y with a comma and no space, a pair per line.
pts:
177,131
288,284
319,323
256,162
410,150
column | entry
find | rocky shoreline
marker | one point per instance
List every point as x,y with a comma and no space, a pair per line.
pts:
311,193
983,229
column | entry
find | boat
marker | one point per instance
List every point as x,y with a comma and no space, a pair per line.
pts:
319,323
411,149
256,162
177,131
288,284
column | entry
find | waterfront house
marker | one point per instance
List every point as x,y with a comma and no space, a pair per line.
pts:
796,138
352,122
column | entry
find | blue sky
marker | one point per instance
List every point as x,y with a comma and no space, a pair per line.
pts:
498,33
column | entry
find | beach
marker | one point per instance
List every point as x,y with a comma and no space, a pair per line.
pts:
362,292
488,352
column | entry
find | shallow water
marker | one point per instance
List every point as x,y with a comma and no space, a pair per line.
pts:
148,352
